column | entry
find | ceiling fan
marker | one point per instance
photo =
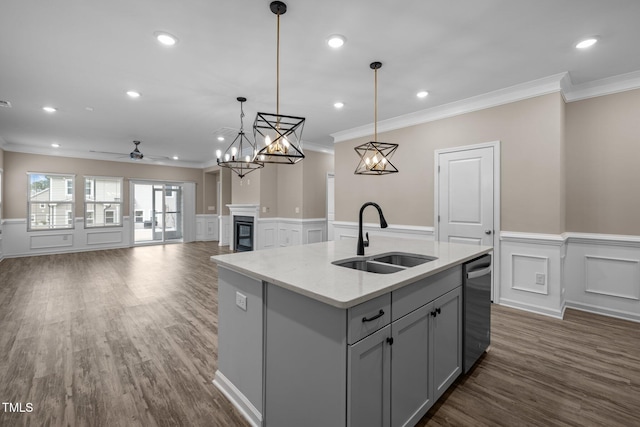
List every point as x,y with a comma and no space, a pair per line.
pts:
135,155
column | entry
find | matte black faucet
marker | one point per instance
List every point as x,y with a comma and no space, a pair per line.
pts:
383,224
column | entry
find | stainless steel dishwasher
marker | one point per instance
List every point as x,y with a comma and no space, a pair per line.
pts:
477,310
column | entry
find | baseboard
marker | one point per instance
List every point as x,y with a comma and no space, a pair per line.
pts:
558,314
238,399
624,315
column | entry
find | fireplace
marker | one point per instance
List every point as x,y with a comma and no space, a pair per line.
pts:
243,233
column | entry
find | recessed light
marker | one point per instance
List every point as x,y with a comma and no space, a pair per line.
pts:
49,109
587,43
133,94
88,108
338,104
175,158
166,39
55,145
221,138
336,40
422,94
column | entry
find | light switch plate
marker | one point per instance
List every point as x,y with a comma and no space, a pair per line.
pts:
540,278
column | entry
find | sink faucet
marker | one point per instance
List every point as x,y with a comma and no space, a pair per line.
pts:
383,224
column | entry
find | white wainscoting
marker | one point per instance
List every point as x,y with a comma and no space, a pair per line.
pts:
17,241
349,230
207,227
278,232
602,274
590,272
524,257
224,233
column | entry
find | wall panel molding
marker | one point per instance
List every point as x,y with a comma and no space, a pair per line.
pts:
614,277
524,269
348,230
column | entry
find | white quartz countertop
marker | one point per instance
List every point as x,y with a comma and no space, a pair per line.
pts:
308,269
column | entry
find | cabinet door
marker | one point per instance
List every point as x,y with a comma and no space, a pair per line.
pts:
368,385
447,340
410,379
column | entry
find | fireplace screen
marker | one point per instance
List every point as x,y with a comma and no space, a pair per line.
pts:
243,232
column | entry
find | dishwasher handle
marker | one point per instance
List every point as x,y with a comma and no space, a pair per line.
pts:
479,273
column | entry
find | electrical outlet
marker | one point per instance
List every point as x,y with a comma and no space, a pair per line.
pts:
540,278
297,209
264,209
241,301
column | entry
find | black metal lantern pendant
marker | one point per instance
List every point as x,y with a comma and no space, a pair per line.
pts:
241,154
375,156
281,134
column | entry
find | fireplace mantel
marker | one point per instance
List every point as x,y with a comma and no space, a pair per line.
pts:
244,210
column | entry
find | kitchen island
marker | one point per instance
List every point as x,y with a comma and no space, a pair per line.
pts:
302,341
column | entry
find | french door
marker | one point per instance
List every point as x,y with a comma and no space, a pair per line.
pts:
157,212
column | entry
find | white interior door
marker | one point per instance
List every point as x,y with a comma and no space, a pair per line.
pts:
466,196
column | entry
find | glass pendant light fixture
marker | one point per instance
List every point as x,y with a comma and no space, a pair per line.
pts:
281,135
241,154
375,156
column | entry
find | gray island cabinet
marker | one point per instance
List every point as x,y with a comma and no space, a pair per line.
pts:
304,342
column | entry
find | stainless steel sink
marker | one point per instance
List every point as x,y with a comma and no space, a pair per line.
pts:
368,265
388,263
403,259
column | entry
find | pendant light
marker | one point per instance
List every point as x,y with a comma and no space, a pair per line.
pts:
375,156
240,156
279,136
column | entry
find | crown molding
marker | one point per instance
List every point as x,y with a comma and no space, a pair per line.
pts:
556,83
317,147
606,86
507,95
57,152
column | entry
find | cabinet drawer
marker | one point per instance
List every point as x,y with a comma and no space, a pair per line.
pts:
415,295
368,317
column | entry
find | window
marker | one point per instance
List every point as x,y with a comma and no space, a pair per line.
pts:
139,215
51,201
109,217
103,201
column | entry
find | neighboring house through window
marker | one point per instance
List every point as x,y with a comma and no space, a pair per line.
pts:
103,201
51,201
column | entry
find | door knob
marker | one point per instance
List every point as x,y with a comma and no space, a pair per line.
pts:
487,231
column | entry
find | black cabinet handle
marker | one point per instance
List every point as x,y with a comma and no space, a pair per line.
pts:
390,340
377,316
438,310
433,313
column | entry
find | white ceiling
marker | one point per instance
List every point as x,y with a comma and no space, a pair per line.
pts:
74,54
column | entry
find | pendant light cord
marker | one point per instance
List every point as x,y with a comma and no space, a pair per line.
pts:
375,109
278,69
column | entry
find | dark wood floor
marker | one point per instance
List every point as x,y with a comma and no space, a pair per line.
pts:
129,337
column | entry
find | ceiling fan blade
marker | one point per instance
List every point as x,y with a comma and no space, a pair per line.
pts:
108,152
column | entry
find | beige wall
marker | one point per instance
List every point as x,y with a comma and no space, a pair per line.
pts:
247,189
18,164
314,195
210,192
290,187
268,191
281,188
531,135
603,173
225,198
